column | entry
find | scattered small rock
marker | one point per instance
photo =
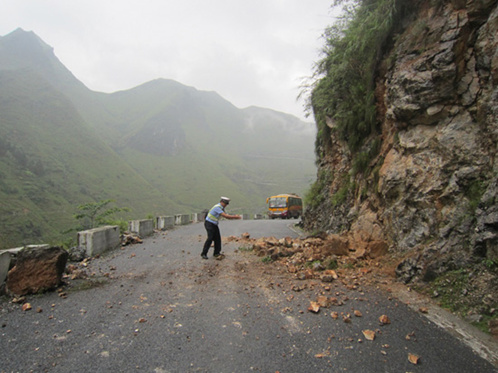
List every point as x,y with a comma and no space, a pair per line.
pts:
493,327
314,307
414,359
384,320
26,307
369,334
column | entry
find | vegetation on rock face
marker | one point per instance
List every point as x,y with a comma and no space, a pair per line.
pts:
465,292
352,51
315,195
344,94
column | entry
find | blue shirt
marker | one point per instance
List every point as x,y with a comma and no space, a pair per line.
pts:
214,214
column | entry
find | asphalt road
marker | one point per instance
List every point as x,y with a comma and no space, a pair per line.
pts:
158,307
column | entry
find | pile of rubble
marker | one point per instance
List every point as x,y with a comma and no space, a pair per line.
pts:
314,257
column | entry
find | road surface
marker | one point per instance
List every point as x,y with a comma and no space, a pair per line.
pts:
158,307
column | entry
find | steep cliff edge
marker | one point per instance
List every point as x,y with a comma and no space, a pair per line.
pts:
429,196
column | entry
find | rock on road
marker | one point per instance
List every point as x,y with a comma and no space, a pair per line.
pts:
158,307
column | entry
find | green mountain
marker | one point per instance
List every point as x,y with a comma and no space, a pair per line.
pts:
161,148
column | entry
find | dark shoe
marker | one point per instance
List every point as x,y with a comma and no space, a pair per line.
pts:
204,256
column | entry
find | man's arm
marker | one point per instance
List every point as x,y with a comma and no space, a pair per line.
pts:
228,216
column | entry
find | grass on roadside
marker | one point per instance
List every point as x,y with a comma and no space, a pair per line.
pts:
459,292
86,284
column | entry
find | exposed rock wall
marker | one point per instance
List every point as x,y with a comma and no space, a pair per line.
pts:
432,191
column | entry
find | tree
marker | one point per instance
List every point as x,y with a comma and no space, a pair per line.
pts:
96,213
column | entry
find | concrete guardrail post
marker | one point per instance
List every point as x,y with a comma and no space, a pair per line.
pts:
4,265
182,219
143,228
199,217
98,240
165,222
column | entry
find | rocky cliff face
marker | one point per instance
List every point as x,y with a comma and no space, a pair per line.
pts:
430,197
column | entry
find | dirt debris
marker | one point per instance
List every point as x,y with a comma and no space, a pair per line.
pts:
323,258
328,258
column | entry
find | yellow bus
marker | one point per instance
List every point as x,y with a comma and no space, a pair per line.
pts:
285,206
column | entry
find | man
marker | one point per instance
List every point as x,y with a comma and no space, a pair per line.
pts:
212,229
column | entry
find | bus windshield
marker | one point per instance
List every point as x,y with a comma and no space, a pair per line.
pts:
277,202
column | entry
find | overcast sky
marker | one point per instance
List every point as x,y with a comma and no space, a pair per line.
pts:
252,52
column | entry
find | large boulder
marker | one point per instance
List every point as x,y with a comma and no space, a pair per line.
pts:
37,270
335,245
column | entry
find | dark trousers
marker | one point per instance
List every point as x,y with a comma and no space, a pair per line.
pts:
213,234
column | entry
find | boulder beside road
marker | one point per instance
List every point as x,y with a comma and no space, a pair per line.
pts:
36,270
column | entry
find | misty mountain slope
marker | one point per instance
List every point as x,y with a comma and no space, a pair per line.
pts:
51,161
158,148
261,151
25,50
166,109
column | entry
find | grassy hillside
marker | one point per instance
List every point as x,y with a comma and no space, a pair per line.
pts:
50,162
159,148
194,145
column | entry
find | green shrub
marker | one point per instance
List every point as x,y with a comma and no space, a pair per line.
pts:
95,214
313,264
267,259
122,224
315,196
331,264
474,191
490,264
339,197
246,248
353,49
360,163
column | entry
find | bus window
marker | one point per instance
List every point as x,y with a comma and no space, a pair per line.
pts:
277,202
